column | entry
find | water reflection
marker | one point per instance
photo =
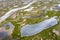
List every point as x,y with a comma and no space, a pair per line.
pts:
29,30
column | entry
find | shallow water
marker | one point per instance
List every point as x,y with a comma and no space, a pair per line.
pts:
29,30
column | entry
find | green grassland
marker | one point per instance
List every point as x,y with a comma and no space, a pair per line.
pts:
44,35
